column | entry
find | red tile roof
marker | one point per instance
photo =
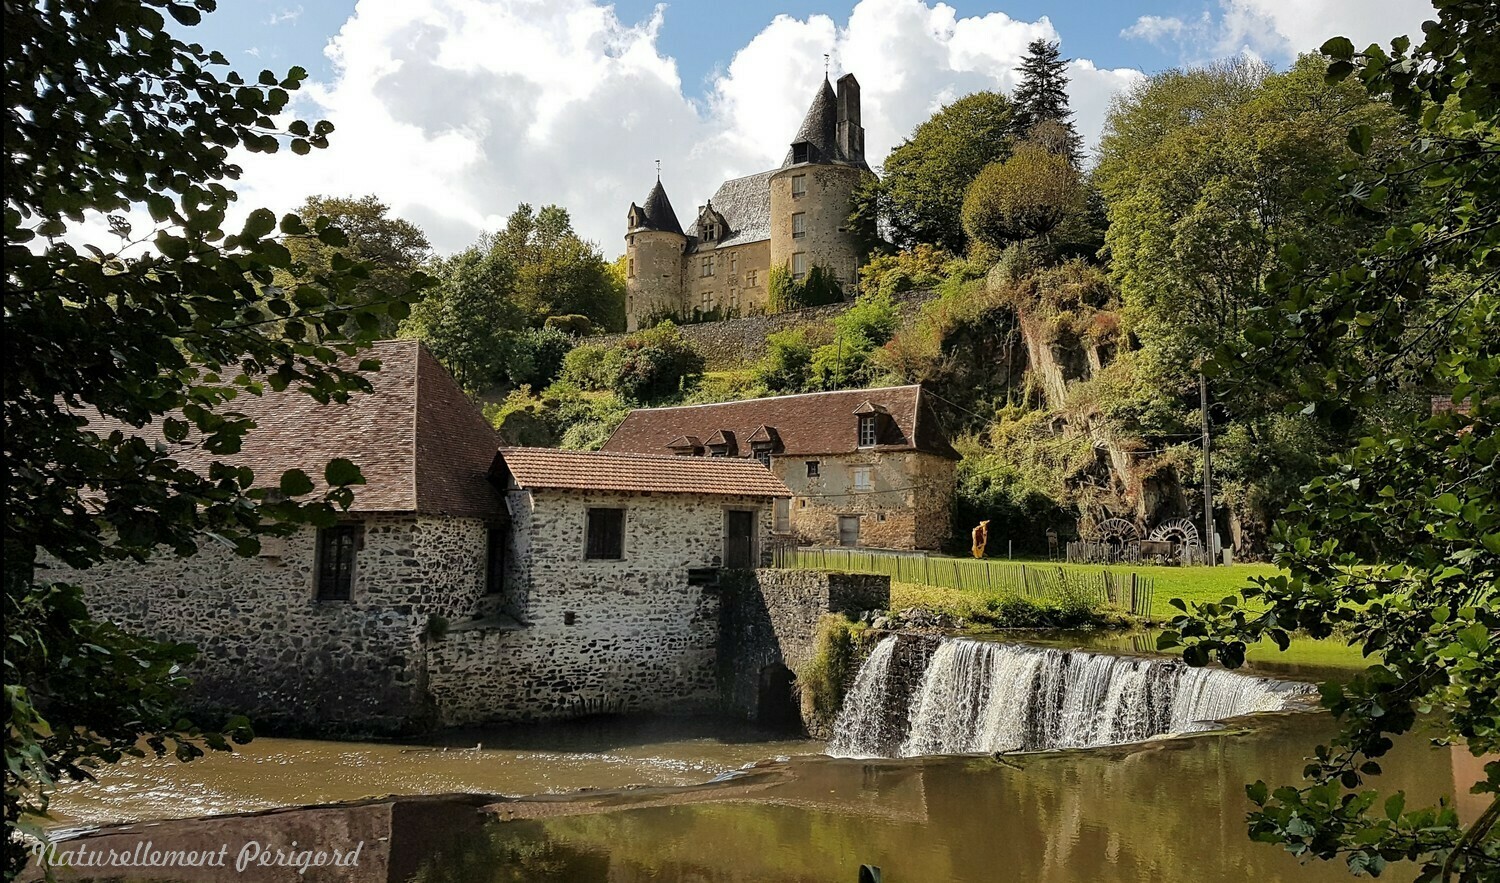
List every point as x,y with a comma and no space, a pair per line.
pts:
799,425
421,445
547,468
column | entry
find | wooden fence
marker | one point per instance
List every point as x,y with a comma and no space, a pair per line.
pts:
1124,591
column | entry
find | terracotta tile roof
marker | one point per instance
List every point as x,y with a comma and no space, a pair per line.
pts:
420,443
600,471
800,425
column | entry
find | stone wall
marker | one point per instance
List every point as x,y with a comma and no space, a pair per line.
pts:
270,649
739,281
633,635
769,623
907,506
735,343
824,205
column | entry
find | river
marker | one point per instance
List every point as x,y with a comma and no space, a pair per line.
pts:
1168,809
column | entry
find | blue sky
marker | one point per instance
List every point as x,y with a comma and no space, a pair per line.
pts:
455,111
702,35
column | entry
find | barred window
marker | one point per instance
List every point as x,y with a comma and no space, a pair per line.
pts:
335,565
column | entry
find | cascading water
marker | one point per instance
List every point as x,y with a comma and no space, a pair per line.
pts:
979,696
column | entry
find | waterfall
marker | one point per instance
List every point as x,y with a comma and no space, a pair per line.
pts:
980,696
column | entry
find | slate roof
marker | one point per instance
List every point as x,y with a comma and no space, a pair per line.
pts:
420,443
745,204
657,213
820,127
551,469
801,425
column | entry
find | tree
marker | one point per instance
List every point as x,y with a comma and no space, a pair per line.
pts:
846,362
467,319
1042,97
391,247
1025,197
921,195
1396,547
654,365
556,271
153,339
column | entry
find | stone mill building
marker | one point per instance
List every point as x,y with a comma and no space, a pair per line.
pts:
469,583
794,216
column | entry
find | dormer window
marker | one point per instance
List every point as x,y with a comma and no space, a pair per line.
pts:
867,434
801,152
762,451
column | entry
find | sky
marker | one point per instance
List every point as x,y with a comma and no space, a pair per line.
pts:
455,111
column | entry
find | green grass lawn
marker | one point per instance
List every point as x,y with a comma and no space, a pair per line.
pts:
1188,583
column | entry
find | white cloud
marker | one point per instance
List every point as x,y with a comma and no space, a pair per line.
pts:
455,111
1281,29
284,16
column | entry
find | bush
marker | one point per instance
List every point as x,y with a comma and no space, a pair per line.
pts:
922,266
835,657
585,366
575,324
1025,197
654,365
787,366
536,356
846,362
820,287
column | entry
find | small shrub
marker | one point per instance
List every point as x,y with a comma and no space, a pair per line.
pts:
787,365
836,653
585,367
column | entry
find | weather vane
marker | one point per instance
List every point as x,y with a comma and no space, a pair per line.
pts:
825,65
658,170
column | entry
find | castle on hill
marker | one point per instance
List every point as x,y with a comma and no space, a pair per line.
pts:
794,216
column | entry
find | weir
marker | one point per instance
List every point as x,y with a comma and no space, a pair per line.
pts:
916,697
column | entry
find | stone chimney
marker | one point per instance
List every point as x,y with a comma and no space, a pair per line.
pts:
851,135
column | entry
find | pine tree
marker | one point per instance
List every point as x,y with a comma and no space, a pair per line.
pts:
1042,96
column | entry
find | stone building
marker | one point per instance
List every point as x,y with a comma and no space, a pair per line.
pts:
470,584
794,216
609,597
866,467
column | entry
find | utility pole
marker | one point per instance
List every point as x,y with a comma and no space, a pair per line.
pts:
1210,555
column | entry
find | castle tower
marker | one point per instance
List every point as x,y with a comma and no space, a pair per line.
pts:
654,244
812,192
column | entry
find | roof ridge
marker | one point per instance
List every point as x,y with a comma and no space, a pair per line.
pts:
631,455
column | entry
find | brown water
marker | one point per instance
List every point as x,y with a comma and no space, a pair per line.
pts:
1168,810
548,759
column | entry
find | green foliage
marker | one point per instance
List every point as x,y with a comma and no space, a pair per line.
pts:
573,323
557,272
1396,547
995,608
787,366
466,321
586,366
160,342
562,415
857,332
925,177
536,356
1019,507
698,315
655,365
921,266
820,287
1024,197
837,648
392,248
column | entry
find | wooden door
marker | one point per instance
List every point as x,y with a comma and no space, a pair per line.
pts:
739,538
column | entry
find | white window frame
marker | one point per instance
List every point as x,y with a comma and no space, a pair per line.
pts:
869,433
799,259
860,479
799,186
799,225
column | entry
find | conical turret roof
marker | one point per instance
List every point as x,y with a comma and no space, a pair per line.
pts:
820,126
657,213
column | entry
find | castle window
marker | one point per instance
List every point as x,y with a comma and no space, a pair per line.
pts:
867,430
734,262
799,265
605,539
799,225
630,267
862,478
707,268
801,152
750,278
799,186
335,565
